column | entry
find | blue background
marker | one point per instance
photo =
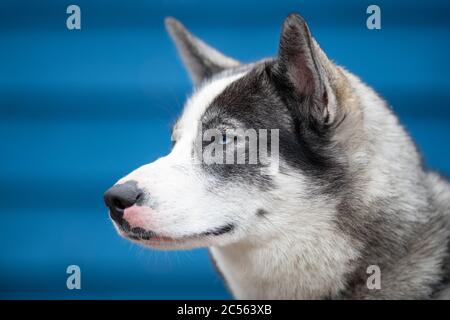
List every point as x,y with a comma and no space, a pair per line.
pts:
80,109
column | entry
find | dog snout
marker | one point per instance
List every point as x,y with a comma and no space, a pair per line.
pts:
122,196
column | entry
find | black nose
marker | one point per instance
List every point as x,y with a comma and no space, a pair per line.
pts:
120,197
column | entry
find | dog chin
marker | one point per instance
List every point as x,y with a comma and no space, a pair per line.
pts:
174,244
215,237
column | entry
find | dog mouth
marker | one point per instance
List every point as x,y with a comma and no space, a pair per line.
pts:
140,234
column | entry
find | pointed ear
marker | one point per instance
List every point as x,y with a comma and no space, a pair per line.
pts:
302,66
201,60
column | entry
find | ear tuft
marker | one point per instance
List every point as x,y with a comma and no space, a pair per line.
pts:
201,60
172,23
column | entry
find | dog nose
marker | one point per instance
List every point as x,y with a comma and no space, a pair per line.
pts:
120,197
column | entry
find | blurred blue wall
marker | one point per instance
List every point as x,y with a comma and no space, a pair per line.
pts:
79,109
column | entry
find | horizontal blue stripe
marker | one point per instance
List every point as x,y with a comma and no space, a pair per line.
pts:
80,109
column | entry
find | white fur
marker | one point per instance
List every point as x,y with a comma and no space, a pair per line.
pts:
179,190
297,233
187,125
294,252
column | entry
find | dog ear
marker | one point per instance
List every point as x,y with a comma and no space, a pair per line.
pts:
201,60
301,66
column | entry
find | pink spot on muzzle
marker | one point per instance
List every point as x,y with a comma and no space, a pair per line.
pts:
138,216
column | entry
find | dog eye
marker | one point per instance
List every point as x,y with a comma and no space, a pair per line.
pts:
225,139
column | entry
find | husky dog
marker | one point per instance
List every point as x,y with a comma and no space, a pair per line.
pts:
350,191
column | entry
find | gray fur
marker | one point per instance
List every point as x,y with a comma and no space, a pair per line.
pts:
405,229
351,190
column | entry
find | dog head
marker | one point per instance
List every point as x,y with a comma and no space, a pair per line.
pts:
200,194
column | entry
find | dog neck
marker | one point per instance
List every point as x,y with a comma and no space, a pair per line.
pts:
288,267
